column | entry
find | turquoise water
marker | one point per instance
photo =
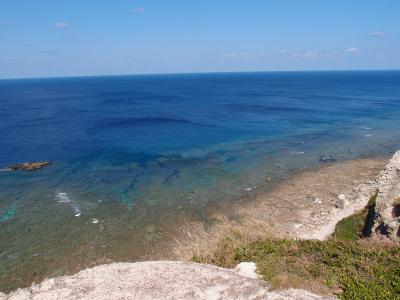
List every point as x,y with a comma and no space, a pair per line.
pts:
136,156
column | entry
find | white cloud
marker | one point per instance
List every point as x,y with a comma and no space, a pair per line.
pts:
376,33
352,50
61,25
137,10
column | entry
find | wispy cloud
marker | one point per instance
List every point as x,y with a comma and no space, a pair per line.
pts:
236,55
137,10
352,50
376,33
61,25
306,54
243,56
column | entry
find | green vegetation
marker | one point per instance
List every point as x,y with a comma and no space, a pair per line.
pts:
357,225
350,267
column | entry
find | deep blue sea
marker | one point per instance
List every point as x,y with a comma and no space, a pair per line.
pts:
134,154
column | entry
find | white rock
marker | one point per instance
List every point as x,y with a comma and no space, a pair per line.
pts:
342,201
247,269
317,201
297,226
47,285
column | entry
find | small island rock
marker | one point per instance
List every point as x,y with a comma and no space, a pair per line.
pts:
31,166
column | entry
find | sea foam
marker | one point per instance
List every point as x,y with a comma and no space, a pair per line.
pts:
64,198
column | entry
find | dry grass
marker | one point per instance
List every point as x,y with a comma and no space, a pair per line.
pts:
197,242
286,281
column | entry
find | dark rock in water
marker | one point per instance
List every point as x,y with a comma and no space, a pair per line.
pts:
28,166
327,158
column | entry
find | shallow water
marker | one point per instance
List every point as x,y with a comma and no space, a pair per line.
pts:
134,156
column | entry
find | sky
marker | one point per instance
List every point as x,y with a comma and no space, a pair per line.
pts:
53,38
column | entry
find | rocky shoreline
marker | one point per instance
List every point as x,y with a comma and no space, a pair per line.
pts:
386,222
306,206
322,197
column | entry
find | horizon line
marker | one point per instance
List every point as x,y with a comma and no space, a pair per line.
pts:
195,73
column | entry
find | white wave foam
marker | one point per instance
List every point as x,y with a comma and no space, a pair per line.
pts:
296,153
63,198
77,210
250,188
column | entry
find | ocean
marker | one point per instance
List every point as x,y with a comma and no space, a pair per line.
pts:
133,157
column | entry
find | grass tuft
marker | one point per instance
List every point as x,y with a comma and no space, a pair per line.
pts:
357,225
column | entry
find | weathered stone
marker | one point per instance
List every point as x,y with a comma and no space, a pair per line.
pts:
160,280
387,221
342,202
317,201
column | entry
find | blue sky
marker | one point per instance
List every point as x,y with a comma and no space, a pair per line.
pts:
45,38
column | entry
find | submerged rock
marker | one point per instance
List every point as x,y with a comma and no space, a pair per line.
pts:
8,214
31,166
327,158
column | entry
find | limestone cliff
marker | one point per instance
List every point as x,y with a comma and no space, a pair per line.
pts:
387,210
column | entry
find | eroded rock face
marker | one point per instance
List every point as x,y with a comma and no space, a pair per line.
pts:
387,219
31,166
157,280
